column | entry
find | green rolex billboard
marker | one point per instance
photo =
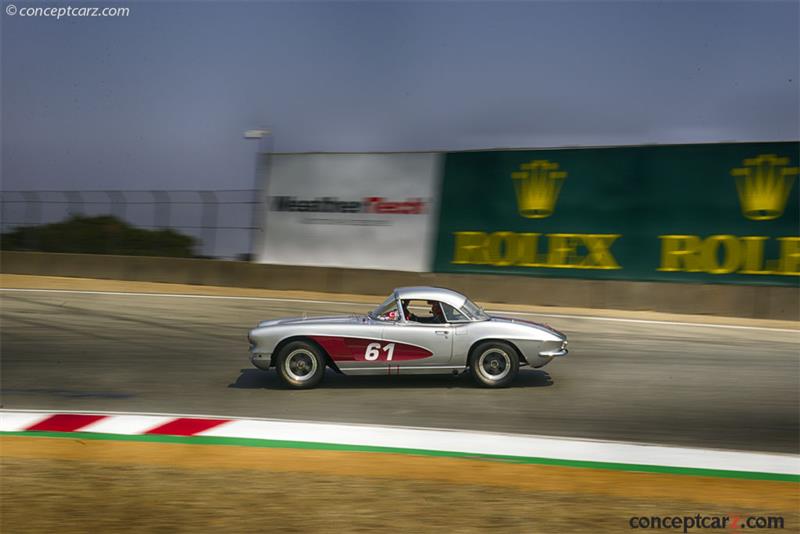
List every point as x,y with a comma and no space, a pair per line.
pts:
722,213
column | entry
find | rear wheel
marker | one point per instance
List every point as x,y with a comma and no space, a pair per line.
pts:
494,364
300,365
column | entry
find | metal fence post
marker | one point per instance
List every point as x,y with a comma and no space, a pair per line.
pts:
260,208
265,148
161,209
118,203
3,211
74,202
33,207
33,215
209,221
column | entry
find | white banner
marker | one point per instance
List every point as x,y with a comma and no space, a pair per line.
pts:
369,211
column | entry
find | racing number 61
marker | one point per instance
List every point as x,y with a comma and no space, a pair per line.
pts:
373,351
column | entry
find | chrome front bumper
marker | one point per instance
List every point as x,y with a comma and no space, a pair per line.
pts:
546,356
554,353
262,361
561,351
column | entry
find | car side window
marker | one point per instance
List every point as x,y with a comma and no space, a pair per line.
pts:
424,311
453,315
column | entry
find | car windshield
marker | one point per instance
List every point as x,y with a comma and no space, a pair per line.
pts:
474,311
381,311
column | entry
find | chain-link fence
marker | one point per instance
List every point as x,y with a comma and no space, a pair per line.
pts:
223,221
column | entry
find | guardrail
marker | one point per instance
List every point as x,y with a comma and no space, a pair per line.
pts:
763,302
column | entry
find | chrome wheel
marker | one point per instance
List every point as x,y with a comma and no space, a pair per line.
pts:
494,364
300,365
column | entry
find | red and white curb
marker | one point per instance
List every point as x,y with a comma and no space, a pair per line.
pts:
454,441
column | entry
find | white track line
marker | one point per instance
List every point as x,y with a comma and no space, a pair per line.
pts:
125,424
345,303
13,421
43,413
445,440
505,445
182,296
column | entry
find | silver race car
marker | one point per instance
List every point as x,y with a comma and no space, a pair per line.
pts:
422,330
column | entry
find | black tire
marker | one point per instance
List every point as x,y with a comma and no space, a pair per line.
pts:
493,364
300,365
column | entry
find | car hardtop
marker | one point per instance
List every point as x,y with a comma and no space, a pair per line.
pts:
454,299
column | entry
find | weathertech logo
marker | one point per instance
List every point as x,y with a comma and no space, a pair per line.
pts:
380,205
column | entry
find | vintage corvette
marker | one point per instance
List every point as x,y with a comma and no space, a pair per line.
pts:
455,335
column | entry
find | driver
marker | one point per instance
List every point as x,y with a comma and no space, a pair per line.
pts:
406,313
437,314
437,311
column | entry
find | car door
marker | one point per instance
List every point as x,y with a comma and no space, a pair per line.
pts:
360,349
417,346
355,348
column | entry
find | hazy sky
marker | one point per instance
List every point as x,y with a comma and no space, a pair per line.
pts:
160,99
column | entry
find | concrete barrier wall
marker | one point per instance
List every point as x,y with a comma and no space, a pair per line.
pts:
764,302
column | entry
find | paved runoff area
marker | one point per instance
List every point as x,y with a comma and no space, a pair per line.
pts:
133,407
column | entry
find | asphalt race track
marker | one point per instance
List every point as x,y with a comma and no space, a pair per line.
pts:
671,384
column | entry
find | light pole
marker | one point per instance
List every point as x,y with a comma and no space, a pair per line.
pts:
265,141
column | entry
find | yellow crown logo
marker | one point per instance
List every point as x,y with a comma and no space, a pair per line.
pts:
763,185
537,185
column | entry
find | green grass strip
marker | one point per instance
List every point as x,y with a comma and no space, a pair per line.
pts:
279,444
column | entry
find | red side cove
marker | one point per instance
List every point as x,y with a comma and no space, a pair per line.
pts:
353,349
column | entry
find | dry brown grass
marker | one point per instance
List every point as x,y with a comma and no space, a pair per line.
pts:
185,488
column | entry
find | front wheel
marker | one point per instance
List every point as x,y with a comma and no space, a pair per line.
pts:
300,365
494,364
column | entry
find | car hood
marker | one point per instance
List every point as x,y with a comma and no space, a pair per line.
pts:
540,326
326,319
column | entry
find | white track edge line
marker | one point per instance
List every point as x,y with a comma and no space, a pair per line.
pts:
348,303
485,443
